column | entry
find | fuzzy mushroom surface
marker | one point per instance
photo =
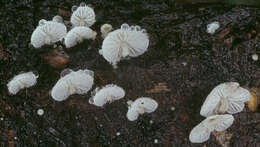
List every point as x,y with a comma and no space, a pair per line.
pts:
72,82
78,35
128,41
202,131
107,94
140,106
48,33
227,97
82,15
21,81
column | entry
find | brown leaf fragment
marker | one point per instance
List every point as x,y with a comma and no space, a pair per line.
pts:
56,58
252,103
3,54
160,87
65,14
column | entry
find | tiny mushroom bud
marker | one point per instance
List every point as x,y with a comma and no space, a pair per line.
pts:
129,41
78,35
255,57
83,16
105,29
202,131
109,93
72,82
212,27
225,98
48,33
40,112
140,106
21,81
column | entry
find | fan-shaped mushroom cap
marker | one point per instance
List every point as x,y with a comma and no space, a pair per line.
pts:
74,82
225,98
129,41
48,33
77,35
201,132
21,81
83,16
109,93
140,106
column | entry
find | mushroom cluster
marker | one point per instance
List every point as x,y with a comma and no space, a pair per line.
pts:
225,98
128,41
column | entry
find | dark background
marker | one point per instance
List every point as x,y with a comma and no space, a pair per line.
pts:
185,61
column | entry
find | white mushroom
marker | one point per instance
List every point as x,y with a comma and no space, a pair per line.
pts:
83,16
201,132
77,35
48,33
212,27
225,98
72,82
107,94
129,41
105,29
140,106
21,81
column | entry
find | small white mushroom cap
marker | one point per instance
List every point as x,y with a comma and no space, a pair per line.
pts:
21,81
74,82
129,41
225,98
83,16
109,93
201,132
58,19
78,35
105,29
212,27
48,33
140,106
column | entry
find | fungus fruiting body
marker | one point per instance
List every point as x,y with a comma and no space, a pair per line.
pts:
78,35
21,81
72,82
140,106
107,94
83,16
212,27
105,29
225,98
128,41
48,33
202,131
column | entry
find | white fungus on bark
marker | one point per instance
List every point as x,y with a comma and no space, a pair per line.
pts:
227,97
140,106
105,29
212,27
21,81
255,57
82,15
107,94
72,82
202,131
128,41
48,33
78,35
